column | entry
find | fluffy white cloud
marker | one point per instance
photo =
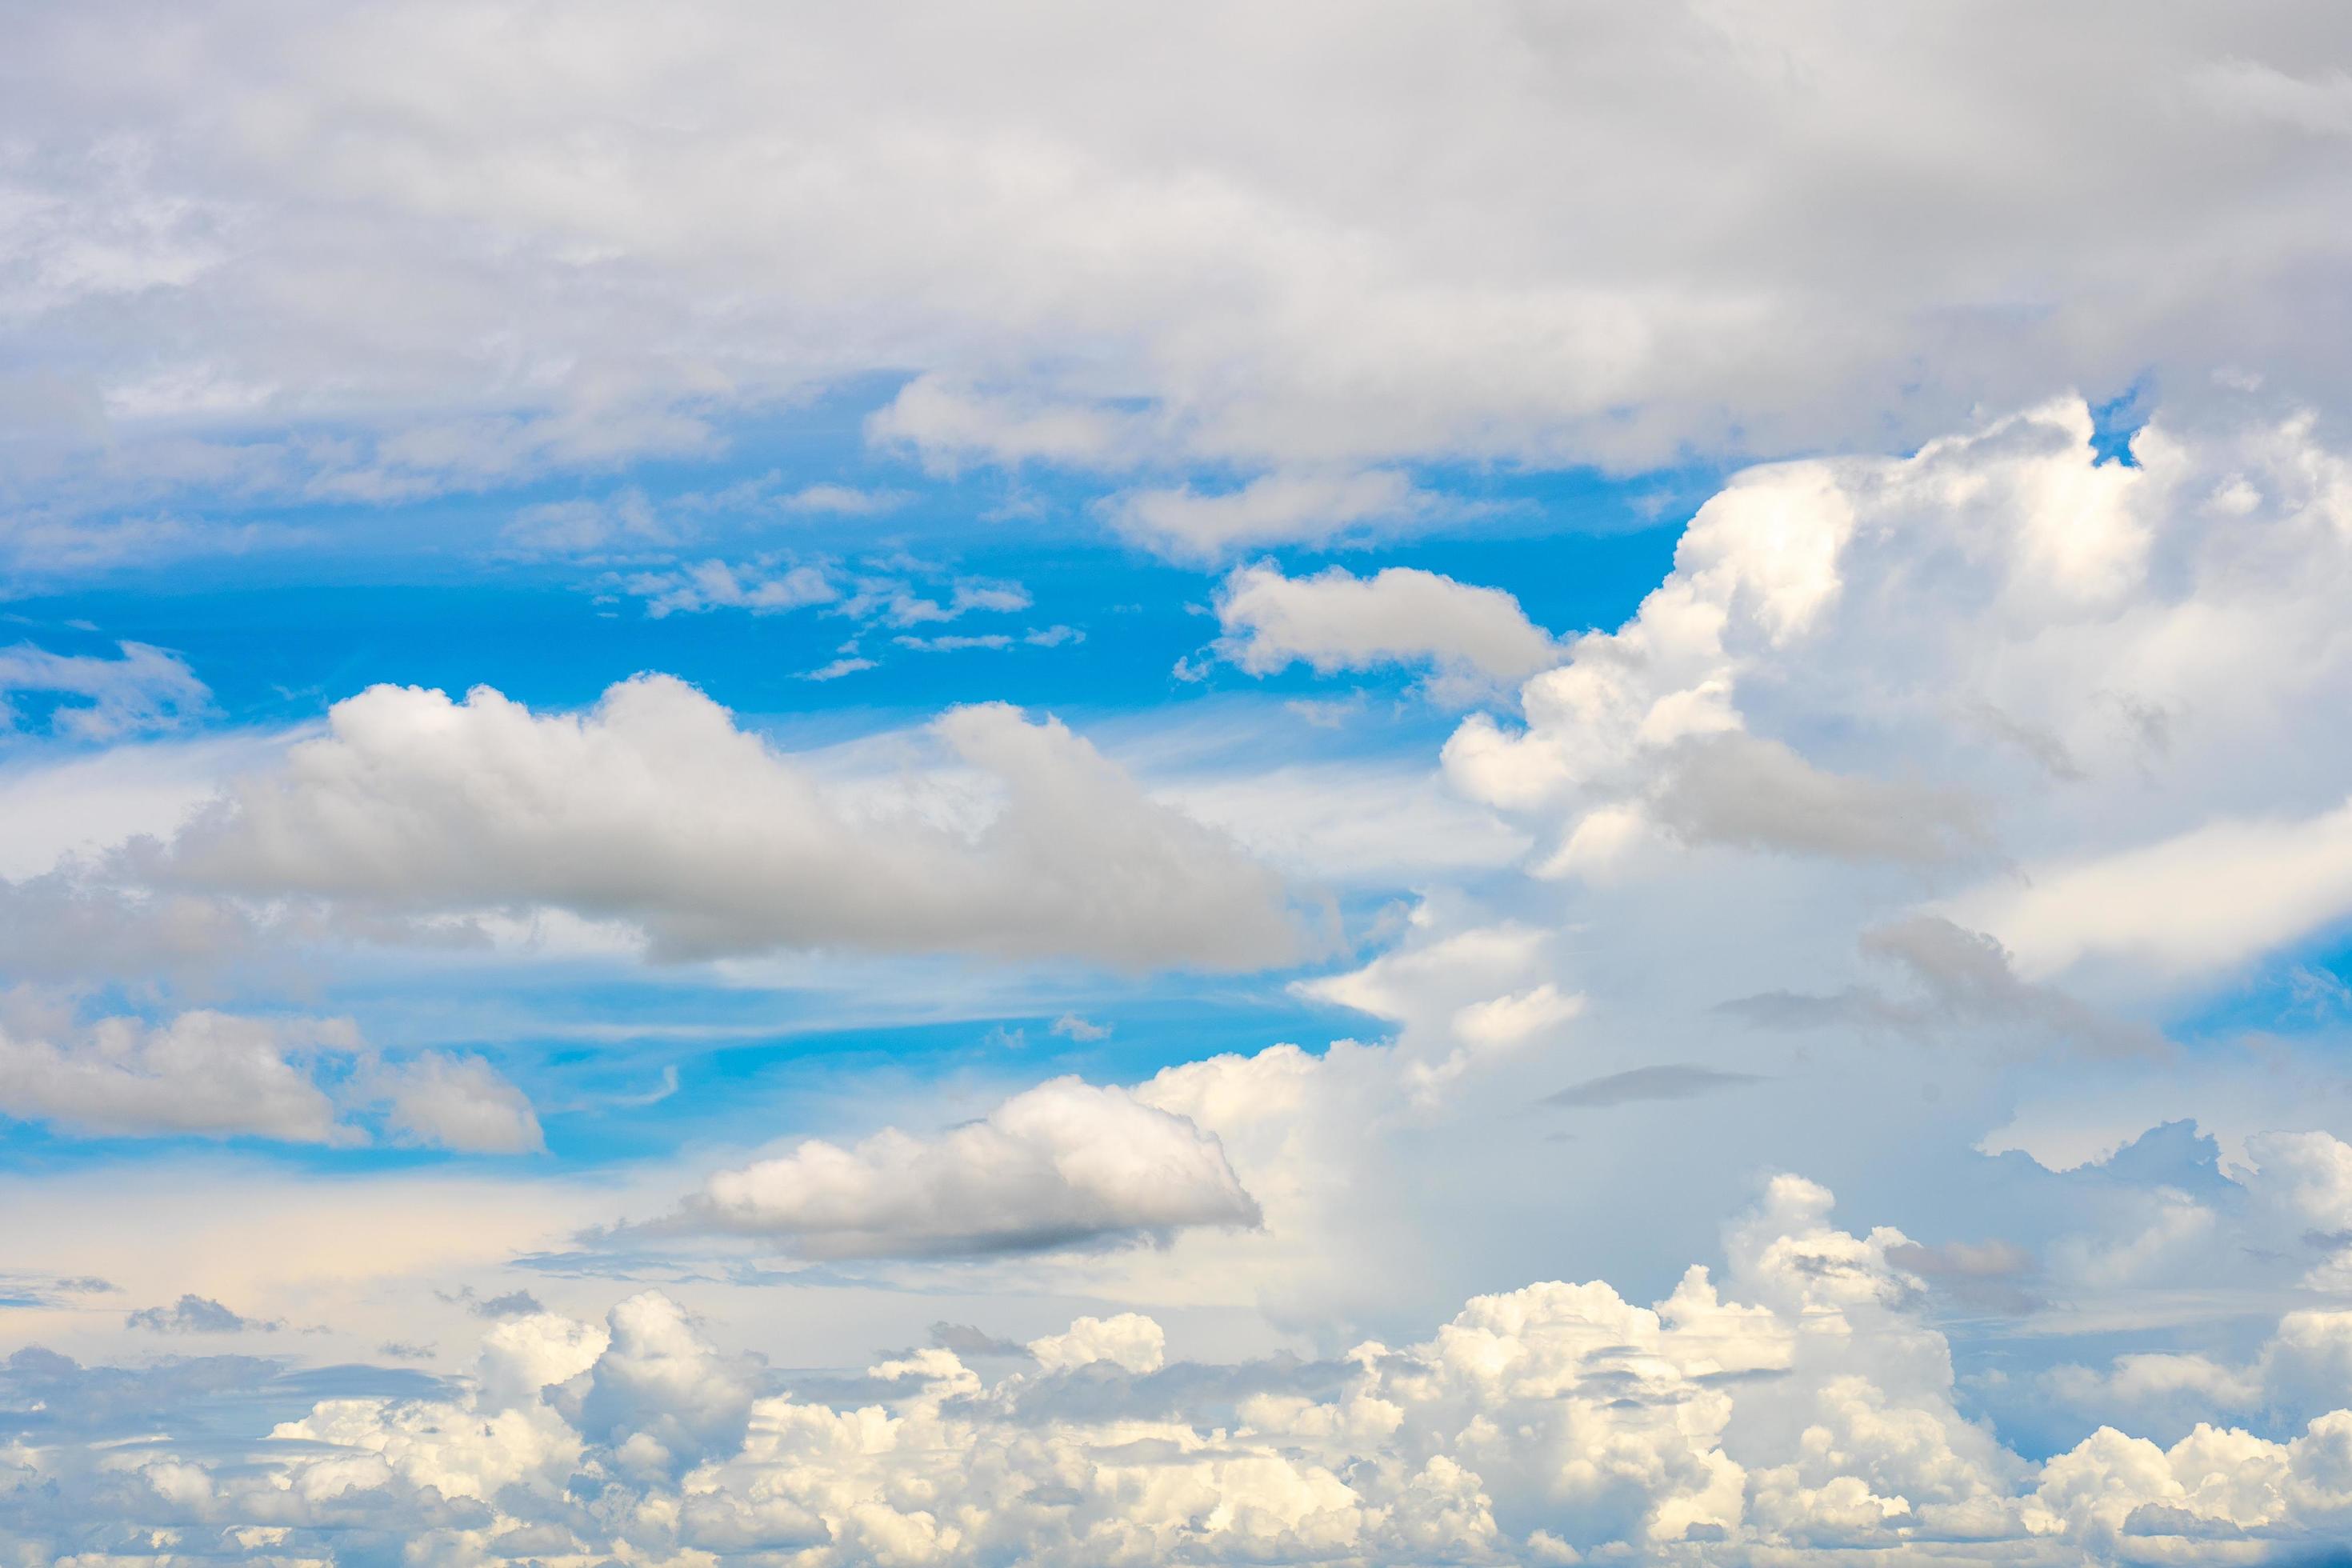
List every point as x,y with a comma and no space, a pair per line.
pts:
1065,1162
1460,998
204,1073
1335,620
2002,649
1798,1410
1129,1340
458,1102
653,808
215,1075
1373,250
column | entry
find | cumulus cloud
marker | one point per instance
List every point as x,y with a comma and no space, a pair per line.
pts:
1797,1407
657,1393
656,809
1335,621
1062,1164
205,1073
458,1102
217,1075
1129,1340
1982,652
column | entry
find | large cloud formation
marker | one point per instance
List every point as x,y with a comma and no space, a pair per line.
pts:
1799,1412
2002,648
654,809
583,234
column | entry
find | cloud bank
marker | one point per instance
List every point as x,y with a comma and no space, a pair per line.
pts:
1374,251
1799,1410
656,809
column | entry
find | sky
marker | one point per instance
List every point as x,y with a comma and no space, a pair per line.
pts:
1028,783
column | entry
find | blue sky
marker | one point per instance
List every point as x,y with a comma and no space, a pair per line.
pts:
1021,785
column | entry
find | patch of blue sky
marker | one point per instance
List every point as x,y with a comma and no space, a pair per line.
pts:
2116,420
620,1062
2300,994
436,593
433,593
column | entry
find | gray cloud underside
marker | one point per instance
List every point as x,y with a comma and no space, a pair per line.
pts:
1671,1080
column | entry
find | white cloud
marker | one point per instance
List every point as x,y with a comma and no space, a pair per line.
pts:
1065,1163
1373,824
53,808
1187,525
2211,896
655,809
1433,975
1798,1407
993,642
764,588
460,1102
1372,252
1129,1340
143,688
1986,652
626,518
204,1073
1333,621
215,1075
659,1395
893,600
1506,1020
950,424
1461,999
